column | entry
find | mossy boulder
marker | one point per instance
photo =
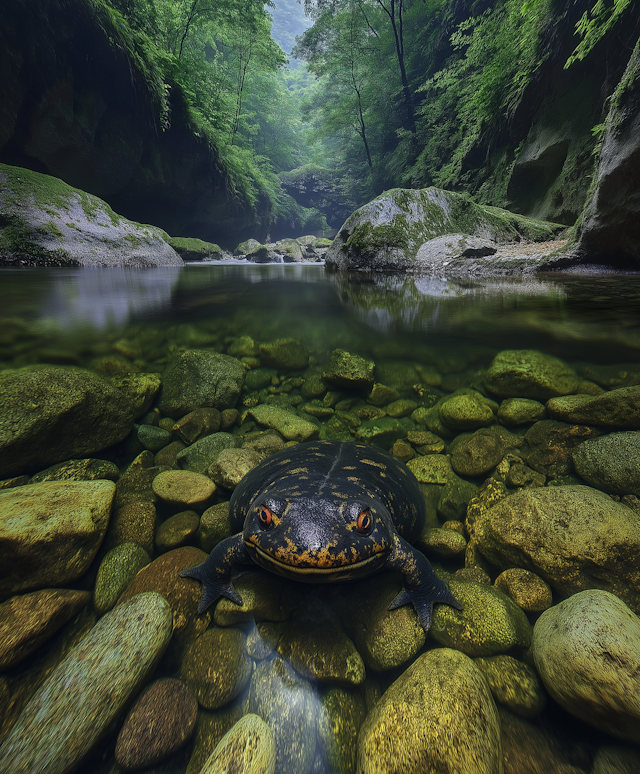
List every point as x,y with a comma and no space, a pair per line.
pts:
610,462
50,413
387,233
428,720
46,222
190,249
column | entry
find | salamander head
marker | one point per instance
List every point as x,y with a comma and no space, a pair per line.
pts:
316,539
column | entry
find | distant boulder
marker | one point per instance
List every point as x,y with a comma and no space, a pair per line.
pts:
405,230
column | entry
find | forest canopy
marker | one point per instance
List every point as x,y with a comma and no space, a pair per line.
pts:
391,93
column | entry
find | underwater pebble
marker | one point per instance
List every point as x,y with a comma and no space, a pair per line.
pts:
618,408
443,543
465,412
200,455
232,465
133,523
514,684
489,623
162,719
521,411
183,487
248,747
196,424
285,354
216,666
289,425
214,526
177,530
153,438
342,712
611,462
349,371
117,569
89,689
528,590
476,454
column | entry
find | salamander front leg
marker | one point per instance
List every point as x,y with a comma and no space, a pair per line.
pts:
422,588
215,572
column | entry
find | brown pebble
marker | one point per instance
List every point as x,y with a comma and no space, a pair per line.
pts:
159,723
527,589
197,424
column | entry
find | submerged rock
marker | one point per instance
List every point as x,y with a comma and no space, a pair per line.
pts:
617,408
28,620
248,747
89,689
574,537
197,378
428,721
289,425
117,569
159,723
527,373
51,413
586,651
50,532
611,462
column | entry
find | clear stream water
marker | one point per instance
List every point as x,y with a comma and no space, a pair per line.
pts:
133,319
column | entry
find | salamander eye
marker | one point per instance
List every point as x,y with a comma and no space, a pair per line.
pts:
266,517
363,522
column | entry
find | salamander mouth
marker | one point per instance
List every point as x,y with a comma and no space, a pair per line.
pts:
318,574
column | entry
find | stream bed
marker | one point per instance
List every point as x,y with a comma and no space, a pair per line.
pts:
132,402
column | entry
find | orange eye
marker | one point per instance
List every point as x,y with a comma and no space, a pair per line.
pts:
265,517
363,522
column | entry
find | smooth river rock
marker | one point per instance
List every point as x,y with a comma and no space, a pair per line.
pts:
574,537
50,532
429,720
611,462
88,690
28,620
527,373
616,408
248,747
587,654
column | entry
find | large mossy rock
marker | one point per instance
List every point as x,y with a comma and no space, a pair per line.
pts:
50,413
574,537
387,233
197,377
46,222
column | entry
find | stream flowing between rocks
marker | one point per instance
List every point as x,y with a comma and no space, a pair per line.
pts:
133,402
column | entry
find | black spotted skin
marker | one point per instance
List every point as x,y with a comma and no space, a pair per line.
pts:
327,511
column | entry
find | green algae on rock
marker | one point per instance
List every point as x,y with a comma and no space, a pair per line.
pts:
428,720
88,690
574,537
489,623
610,462
117,569
50,532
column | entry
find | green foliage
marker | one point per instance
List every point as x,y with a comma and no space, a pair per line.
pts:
495,56
595,24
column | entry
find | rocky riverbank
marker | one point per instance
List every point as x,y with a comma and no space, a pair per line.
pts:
527,467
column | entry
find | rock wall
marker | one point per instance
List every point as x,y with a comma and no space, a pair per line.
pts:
610,228
542,162
73,105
